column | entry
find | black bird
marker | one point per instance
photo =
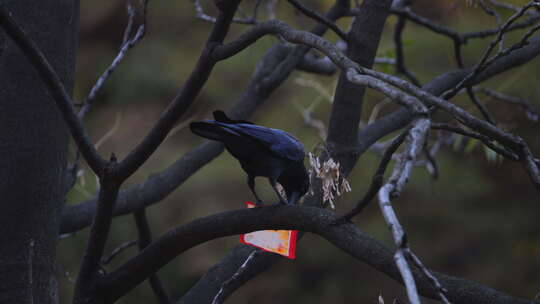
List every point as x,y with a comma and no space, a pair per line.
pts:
262,151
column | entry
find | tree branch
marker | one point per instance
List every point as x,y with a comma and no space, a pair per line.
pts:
186,96
484,139
400,57
91,262
377,179
55,87
392,189
347,237
127,44
270,72
319,18
145,238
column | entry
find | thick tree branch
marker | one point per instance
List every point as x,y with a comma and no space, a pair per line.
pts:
347,237
91,262
185,97
155,188
365,34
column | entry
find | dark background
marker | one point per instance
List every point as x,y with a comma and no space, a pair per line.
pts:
479,220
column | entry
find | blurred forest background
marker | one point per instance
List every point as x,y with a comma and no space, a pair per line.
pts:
478,220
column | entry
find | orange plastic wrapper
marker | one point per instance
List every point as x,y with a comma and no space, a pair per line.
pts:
282,242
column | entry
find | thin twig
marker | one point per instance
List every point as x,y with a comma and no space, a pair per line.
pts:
441,291
377,179
488,10
484,62
480,106
319,18
484,139
127,44
200,13
400,57
145,238
531,112
117,251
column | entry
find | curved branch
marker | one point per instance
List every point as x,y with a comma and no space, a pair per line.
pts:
55,87
151,191
185,97
271,71
319,18
346,237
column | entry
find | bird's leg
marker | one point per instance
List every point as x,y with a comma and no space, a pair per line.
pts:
251,184
273,183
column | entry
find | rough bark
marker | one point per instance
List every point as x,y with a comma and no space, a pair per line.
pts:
33,145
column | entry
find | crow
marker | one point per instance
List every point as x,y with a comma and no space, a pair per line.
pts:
261,151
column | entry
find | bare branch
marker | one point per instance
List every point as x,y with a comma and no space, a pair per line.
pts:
488,10
400,57
484,62
319,18
145,238
437,28
484,139
347,237
273,68
127,44
117,251
393,188
377,179
247,21
532,113
440,289
91,263
480,106
185,97
55,87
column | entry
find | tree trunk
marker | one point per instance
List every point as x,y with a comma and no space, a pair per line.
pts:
33,150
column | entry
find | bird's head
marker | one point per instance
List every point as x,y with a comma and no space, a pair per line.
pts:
295,182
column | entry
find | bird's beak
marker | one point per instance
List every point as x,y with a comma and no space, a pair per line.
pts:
293,199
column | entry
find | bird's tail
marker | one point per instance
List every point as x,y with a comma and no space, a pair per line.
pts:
211,129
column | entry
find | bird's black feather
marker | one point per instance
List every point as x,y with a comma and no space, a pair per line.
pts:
261,151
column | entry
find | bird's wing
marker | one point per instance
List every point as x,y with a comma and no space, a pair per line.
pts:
279,142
